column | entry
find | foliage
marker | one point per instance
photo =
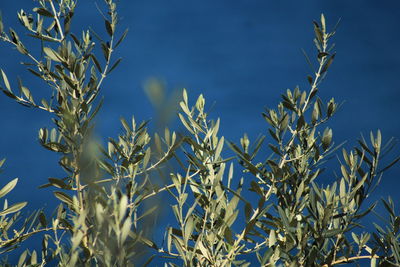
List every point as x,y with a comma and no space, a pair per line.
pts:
109,194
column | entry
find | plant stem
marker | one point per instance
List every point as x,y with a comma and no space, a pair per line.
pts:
57,20
306,103
348,260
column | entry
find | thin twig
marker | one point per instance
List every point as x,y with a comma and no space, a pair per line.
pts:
347,260
57,20
313,88
26,235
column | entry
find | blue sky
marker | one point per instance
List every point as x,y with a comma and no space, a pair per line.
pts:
240,54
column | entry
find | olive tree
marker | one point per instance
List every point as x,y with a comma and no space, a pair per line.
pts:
110,193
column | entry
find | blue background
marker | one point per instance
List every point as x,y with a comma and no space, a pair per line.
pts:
240,54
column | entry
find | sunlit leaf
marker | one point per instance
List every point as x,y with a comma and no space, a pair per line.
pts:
14,208
8,187
53,55
64,198
43,12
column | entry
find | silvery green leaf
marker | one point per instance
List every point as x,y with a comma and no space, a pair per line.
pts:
43,12
8,187
14,208
5,80
53,55
64,198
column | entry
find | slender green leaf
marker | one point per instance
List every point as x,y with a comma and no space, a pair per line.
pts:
43,12
53,55
5,80
8,187
64,198
14,208
116,63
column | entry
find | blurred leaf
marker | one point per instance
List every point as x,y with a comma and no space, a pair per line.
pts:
155,90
